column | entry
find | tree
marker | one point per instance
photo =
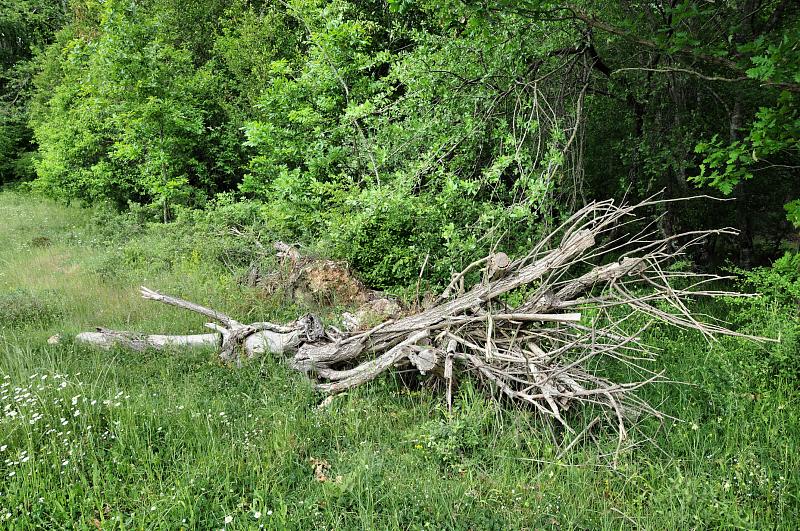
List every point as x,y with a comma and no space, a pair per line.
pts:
125,113
25,27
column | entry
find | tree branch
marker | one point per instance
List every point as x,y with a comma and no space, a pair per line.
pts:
685,50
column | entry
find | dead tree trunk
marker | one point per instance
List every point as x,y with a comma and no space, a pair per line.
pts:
597,282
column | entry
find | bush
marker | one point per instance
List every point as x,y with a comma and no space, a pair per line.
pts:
774,312
385,236
22,308
454,441
779,283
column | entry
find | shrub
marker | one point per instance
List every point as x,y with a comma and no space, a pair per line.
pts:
779,283
22,307
385,236
454,441
774,312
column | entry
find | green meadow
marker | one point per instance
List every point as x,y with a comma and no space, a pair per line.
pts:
93,439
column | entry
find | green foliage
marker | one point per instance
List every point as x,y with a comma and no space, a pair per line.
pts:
455,441
793,212
774,312
385,133
774,130
779,283
353,146
774,133
140,115
25,27
21,307
308,119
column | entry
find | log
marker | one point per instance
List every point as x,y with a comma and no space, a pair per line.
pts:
547,353
107,339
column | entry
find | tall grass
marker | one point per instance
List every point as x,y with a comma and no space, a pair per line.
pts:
166,440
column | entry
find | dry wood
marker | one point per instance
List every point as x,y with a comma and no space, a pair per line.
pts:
598,286
107,339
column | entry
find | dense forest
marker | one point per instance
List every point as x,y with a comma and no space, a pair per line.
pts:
385,131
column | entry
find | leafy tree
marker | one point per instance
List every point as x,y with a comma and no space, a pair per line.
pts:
135,108
698,91
25,27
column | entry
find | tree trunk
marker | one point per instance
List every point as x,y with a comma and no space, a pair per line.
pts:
546,353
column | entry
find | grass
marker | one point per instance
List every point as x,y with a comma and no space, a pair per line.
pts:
166,440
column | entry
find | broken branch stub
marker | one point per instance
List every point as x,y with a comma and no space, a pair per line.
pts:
593,293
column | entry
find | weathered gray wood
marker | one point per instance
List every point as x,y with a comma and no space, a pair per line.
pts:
149,294
424,360
370,369
537,353
107,339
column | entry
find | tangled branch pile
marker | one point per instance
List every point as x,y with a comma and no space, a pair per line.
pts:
544,352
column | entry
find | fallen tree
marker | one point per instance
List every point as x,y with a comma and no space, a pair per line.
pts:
586,287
